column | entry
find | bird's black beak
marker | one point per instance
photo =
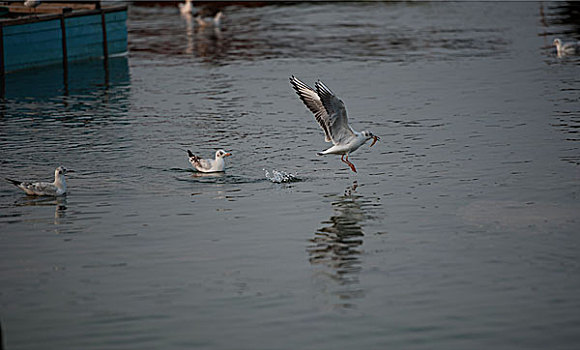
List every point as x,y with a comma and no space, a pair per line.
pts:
375,139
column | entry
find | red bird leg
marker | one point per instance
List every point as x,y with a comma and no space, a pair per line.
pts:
350,164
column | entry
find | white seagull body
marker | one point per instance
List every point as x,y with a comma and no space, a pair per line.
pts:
56,188
32,3
330,113
206,18
566,48
187,8
209,165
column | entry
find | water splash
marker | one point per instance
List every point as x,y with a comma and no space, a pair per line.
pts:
280,176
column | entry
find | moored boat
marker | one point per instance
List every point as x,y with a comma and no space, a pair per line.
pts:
59,32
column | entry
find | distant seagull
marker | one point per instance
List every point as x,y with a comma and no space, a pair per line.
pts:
330,113
208,17
209,165
56,188
186,8
32,4
566,48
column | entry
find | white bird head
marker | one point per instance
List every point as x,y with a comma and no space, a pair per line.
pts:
221,154
369,135
59,173
557,42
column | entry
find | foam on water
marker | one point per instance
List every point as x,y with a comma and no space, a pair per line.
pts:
280,176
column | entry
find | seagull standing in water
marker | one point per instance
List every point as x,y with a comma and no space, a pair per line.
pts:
330,113
566,48
56,188
209,165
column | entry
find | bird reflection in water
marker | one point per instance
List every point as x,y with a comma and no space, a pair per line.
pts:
336,246
214,175
203,41
58,202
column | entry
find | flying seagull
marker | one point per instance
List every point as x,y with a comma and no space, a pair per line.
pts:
330,113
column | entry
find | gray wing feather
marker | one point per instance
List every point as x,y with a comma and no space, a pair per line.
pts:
337,118
313,103
198,163
39,188
328,110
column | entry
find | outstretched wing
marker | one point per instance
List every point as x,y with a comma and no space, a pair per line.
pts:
328,110
314,104
337,119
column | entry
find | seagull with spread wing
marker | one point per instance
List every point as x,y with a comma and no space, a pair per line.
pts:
330,113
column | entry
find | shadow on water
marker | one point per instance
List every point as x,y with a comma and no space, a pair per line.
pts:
565,13
335,247
193,176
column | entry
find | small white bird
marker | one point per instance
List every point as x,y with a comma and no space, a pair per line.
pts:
209,165
32,4
330,113
56,188
186,8
209,17
566,48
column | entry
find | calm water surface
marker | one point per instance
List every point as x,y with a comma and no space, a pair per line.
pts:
459,231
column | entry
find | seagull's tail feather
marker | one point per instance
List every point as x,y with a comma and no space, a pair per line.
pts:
14,182
192,157
319,154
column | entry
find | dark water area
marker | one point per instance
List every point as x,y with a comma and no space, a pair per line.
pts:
460,229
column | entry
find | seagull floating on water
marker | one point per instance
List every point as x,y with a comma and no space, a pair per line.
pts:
330,113
56,188
209,165
209,17
186,8
566,48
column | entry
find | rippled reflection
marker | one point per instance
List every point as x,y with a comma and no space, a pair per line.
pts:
59,203
89,77
216,175
336,246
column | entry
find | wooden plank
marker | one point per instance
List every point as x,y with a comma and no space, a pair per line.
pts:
84,36
35,44
2,70
50,7
47,17
117,32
